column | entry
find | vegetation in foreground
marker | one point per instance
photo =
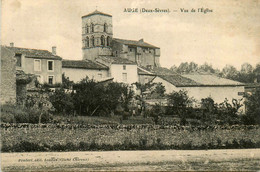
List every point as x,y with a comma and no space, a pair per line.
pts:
27,139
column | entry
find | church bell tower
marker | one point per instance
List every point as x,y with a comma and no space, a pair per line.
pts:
97,34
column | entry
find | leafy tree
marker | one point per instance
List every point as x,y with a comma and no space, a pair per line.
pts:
209,109
246,68
252,108
88,96
117,93
229,112
179,103
174,68
62,101
207,68
229,72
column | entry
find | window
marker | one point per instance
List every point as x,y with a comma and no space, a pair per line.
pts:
116,53
51,80
130,49
93,41
37,65
50,65
87,29
124,77
18,60
92,27
124,67
87,42
105,27
102,40
108,41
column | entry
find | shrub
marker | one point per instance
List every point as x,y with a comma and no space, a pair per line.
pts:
179,103
253,108
62,101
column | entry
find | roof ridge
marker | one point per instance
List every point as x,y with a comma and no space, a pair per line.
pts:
27,48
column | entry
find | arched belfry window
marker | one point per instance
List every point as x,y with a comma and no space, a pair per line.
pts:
92,27
87,29
93,41
102,40
87,42
108,41
105,27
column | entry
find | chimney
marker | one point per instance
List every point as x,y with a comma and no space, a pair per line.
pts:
54,50
141,40
11,44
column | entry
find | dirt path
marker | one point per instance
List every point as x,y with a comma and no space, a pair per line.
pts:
232,159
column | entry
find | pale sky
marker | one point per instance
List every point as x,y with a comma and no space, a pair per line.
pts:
228,35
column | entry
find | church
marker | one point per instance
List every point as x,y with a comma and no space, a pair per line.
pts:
106,57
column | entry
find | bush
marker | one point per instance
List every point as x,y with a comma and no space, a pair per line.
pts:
179,103
253,108
62,101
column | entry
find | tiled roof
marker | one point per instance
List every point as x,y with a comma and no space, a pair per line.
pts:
116,60
178,80
97,12
134,43
83,64
212,80
34,53
195,80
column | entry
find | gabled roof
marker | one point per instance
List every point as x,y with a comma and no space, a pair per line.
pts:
212,80
134,43
98,13
116,60
193,80
82,64
34,53
178,80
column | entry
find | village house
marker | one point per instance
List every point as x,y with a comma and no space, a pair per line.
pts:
202,86
76,70
13,82
8,76
47,66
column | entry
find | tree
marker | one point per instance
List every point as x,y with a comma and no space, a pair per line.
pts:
158,90
207,68
252,108
88,97
246,68
174,68
229,72
62,101
178,102
183,68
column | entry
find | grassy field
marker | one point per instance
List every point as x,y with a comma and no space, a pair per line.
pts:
82,139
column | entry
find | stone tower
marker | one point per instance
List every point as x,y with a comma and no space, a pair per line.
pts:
97,34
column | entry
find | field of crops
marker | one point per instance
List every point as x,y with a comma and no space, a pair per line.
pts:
52,138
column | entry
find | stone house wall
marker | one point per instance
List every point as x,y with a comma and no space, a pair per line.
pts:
8,76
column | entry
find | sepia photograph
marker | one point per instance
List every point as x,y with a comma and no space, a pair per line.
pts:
133,85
